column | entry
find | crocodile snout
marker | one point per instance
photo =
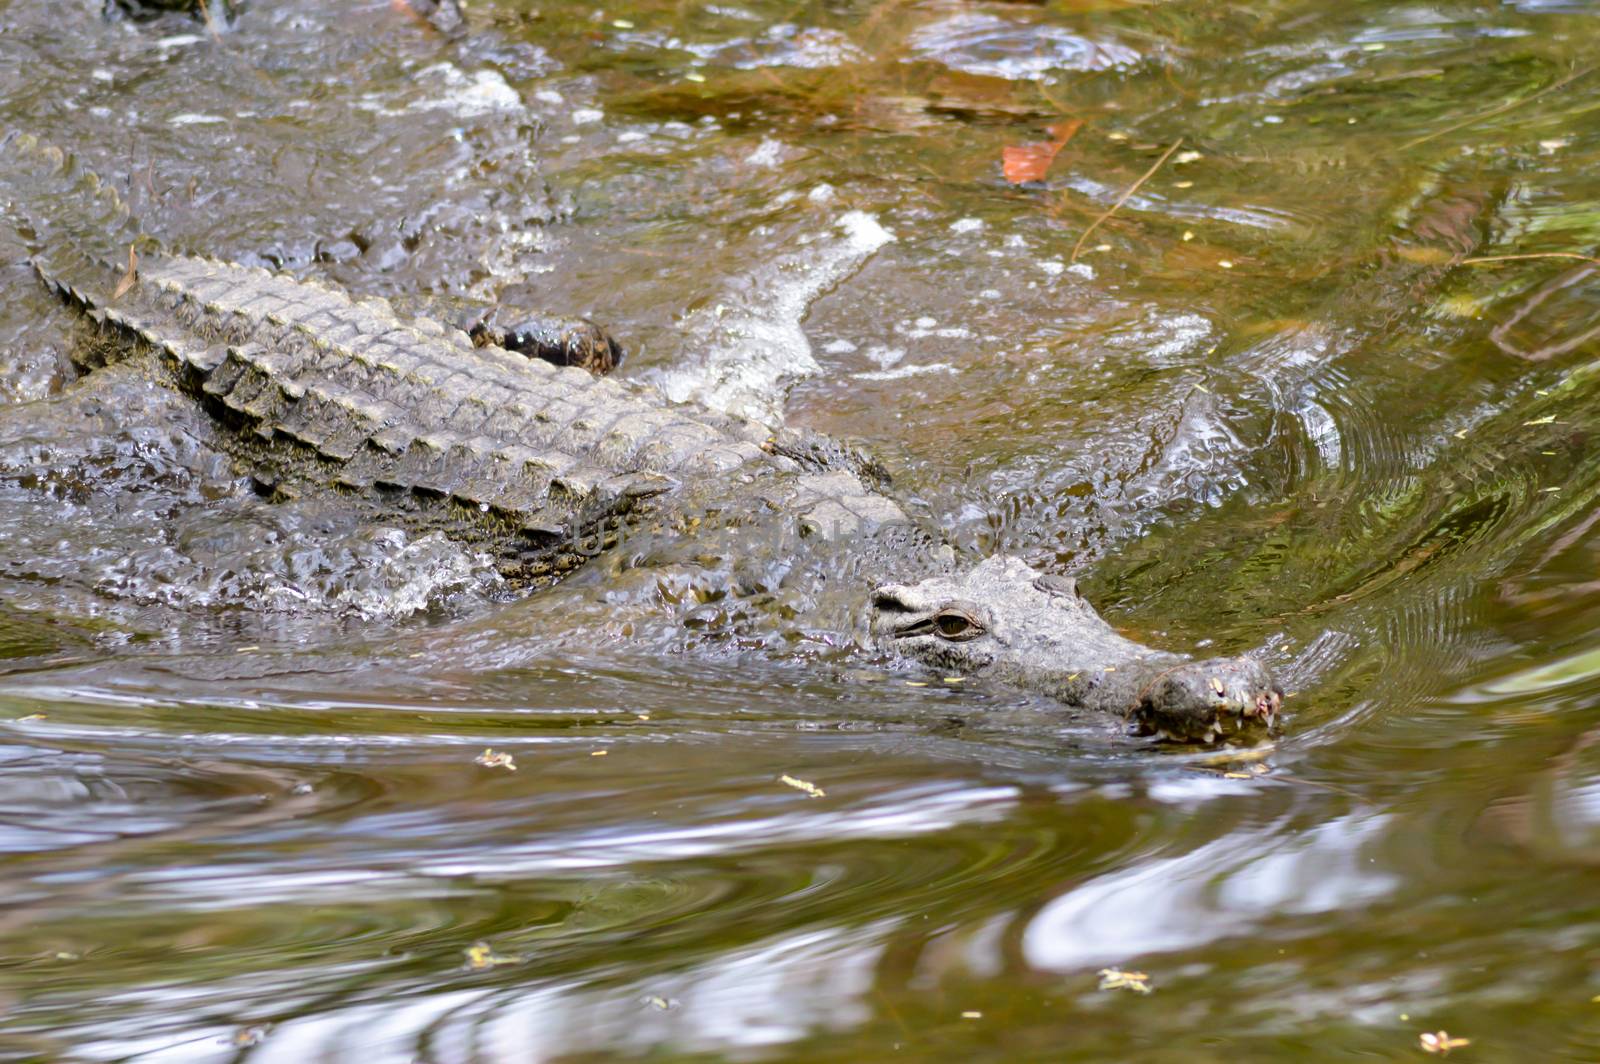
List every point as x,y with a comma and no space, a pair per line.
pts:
1203,700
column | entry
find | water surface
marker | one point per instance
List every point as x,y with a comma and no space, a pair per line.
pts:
1304,392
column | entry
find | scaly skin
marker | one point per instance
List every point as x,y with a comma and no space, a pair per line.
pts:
543,466
514,454
1007,621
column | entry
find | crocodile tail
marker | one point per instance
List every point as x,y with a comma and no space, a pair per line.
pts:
82,230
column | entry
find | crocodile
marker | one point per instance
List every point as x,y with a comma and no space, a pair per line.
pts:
547,466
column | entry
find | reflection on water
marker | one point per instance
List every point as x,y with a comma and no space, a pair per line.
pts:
1313,387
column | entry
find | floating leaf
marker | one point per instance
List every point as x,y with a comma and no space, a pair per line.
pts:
811,790
1028,162
129,276
480,957
1117,979
1440,1042
491,758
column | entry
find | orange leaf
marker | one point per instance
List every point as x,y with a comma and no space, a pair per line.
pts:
1028,162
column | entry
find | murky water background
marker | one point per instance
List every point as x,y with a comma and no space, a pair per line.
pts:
1277,400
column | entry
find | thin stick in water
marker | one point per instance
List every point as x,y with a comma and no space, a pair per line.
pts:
1123,198
1531,255
1502,109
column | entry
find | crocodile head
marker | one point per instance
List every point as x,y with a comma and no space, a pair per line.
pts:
1006,621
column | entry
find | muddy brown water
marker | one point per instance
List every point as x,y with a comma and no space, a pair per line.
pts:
1277,401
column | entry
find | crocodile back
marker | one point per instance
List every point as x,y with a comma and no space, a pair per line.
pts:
331,391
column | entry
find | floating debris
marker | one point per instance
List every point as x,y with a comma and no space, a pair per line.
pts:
1440,1042
1547,419
1021,163
1117,979
480,957
129,276
492,758
811,790
598,753
245,1037
661,1004
972,1014
30,718
1109,211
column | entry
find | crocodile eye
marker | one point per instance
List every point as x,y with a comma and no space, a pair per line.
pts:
956,625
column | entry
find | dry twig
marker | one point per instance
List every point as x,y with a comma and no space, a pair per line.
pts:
1502,109
1531,255
1123,198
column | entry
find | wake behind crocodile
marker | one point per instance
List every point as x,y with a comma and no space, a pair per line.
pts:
355,405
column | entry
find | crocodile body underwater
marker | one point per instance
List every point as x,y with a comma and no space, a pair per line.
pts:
548,467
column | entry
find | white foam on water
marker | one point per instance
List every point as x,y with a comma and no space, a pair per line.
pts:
1184,334
905,371
768,153
885,356
468,95
755,351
